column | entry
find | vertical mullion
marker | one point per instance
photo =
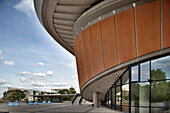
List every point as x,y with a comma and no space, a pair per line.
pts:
115,96
111,98
121,93
130,90
139,73
108,100
150,88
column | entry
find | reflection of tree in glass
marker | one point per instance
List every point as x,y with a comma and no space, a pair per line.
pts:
159,89
158,74
136,89
125,95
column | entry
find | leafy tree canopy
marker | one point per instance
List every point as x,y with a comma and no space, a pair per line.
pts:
13,95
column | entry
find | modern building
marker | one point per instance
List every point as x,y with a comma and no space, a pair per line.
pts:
29,93
122,49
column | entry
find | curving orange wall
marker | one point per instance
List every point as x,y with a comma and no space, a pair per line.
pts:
166,23
112,41
148,27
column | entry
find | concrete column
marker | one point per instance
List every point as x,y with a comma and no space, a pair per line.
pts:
95,99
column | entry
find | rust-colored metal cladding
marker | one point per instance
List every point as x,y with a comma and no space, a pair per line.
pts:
88,52
148,27
97,48
109,42
126,35
76,47
84,75
166,23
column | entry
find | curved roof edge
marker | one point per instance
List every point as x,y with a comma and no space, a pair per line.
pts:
44,10
103,9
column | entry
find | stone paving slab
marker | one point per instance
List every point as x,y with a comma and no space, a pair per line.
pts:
55,108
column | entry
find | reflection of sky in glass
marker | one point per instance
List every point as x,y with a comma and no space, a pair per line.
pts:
144,71
163,64
125,87
134,71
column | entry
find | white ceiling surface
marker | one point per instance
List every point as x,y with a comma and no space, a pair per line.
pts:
65,15
101,85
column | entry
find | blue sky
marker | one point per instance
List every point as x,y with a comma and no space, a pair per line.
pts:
29,57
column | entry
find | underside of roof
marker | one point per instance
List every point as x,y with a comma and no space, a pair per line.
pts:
65,19
59,16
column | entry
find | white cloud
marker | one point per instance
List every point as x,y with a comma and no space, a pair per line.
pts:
1,57
4,85
3,81
9,63
22,79
60,84
38,84
20,87
25,6
49,73
40,64
25,73
39,74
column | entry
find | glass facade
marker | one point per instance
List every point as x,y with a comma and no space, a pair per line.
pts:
142,88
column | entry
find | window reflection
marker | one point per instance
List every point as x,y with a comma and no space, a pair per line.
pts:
140,94
113,98
135,73
160,91
140,88
118,98
161,64
125,95
144,71
125,98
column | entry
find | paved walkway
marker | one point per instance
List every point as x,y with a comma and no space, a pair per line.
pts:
55,108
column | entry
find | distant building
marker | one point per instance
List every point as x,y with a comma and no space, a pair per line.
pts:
29,94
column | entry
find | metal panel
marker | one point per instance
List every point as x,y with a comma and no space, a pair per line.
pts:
148,27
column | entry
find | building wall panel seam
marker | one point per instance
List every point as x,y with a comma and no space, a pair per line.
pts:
116,40
102,45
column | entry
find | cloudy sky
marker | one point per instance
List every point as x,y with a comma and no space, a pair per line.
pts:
29,57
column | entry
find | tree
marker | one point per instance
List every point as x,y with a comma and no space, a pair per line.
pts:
13,95
159,89
72,91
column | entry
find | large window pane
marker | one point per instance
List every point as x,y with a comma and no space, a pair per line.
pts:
160,94
139,109
145,71
134,73
140,94
125,95
113,98
118,98
125,77
159,110
160,68
125,98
